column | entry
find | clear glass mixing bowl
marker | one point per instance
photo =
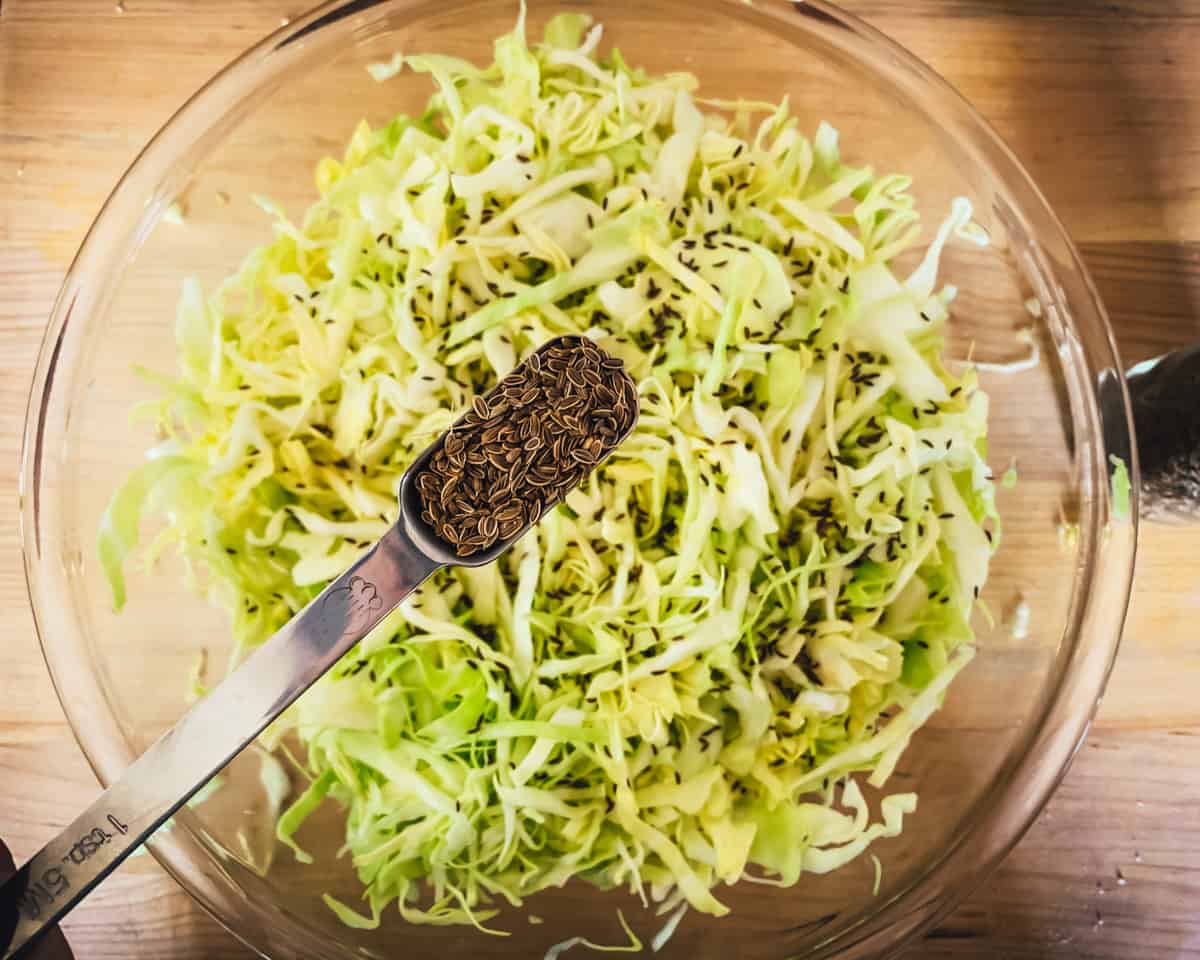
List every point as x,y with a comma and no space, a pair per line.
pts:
986,763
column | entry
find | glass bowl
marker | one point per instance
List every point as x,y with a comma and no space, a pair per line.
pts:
985,764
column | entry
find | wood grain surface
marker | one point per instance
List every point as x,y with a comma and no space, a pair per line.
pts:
1099,99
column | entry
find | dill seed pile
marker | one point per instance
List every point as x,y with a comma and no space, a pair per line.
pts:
521,448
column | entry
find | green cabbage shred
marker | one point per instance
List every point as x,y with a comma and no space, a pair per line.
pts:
673,682
1122,489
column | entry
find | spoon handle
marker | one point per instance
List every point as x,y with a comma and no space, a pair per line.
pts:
207,737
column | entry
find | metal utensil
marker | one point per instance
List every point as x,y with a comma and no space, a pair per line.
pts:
209,735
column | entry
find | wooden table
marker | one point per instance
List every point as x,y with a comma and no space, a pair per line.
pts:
1100,101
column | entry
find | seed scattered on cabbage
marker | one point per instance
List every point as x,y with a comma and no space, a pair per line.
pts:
678,677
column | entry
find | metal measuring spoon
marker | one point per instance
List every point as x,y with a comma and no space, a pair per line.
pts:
217,728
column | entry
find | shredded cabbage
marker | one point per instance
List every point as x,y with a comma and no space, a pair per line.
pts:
633,946
673,681
1122,489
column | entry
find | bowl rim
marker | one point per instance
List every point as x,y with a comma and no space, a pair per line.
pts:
1070,705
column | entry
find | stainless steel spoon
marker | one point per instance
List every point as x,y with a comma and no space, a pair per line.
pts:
209,735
